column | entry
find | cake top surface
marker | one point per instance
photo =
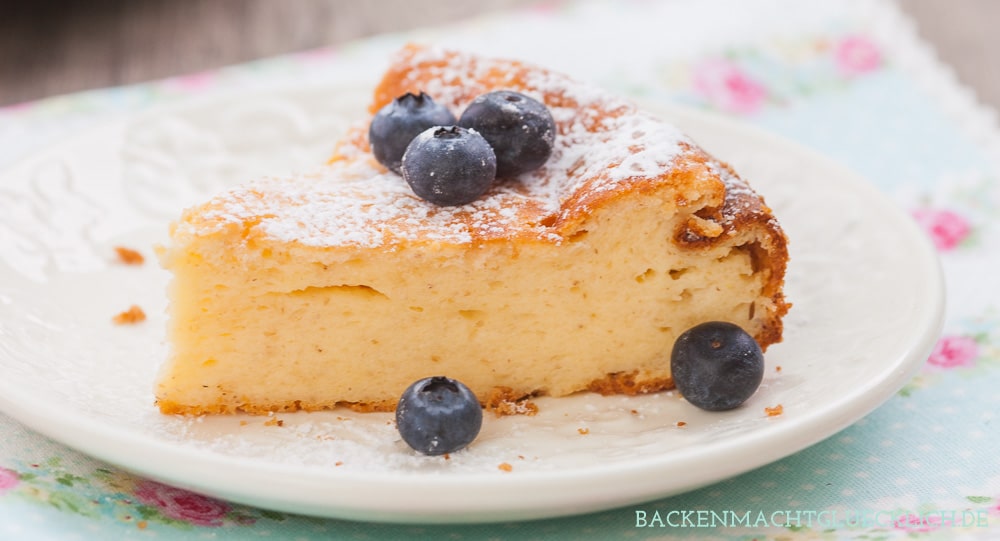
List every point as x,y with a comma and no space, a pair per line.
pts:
605,147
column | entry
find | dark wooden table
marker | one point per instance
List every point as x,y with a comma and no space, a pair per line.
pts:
50,47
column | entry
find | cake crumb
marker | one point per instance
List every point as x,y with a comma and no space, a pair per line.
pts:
338,463
777,368
775,411
503,401
583,431
244,423
274,421
447,456
504,466
133,315
520,457
680,424
634,412
129,256
141,524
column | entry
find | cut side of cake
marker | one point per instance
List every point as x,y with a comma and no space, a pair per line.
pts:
341,287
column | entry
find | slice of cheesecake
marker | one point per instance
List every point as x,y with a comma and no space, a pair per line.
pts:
341,287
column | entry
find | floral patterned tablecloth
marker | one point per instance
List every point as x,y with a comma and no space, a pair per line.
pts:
849,79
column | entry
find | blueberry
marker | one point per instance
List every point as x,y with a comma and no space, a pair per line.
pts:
438,415
396,124
520,129
716,365
449,165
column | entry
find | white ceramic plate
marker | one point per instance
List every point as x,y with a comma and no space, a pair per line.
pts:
865,284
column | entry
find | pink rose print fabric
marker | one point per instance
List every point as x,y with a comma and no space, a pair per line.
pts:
8,480
856,55
916,524
947,229
182,505
954,352
728,87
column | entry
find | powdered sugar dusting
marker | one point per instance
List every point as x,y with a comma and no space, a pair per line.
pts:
603,144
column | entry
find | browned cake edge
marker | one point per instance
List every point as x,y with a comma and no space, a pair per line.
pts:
501,401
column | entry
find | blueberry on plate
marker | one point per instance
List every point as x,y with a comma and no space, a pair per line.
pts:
438,415
716,365
449,165
520,129
396,124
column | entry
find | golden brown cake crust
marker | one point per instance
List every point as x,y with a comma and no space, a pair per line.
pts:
610,151
629,383
502,401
